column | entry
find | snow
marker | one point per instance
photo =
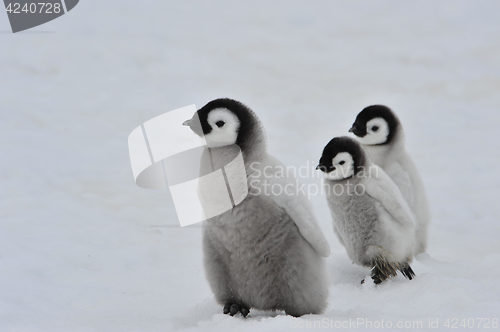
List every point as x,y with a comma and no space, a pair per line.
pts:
82,248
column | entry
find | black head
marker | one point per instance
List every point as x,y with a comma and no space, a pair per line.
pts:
376,125
227,120
340,145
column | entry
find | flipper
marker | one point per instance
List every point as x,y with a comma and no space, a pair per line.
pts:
384,190
296,204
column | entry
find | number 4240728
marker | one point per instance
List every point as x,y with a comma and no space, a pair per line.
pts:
40,7
484,323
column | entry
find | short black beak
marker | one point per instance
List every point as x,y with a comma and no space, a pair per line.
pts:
194,124
356,131
318,167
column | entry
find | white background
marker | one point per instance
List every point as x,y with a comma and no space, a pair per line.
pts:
77,250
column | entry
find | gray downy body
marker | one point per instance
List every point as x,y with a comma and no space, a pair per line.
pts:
367,231
254,255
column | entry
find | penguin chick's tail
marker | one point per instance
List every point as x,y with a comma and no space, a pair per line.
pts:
382,270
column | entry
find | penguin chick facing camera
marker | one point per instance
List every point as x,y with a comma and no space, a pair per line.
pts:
381,133
370,217
266,252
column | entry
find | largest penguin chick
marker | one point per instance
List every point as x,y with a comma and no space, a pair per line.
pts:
370,217
379,130
265,253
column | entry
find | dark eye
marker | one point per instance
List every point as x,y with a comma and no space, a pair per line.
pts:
374,128
342,162
220,123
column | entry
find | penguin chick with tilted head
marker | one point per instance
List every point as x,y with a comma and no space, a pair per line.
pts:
381,133
370,217
266,252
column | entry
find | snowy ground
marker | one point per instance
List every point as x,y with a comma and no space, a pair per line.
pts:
80,245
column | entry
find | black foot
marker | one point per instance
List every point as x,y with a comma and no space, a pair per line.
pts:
233,308
408,272
245,312
377,275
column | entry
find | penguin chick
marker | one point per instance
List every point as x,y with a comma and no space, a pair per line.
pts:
266,252
370,217
379,130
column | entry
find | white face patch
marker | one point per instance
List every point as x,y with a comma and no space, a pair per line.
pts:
344,167
377,131
225,125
